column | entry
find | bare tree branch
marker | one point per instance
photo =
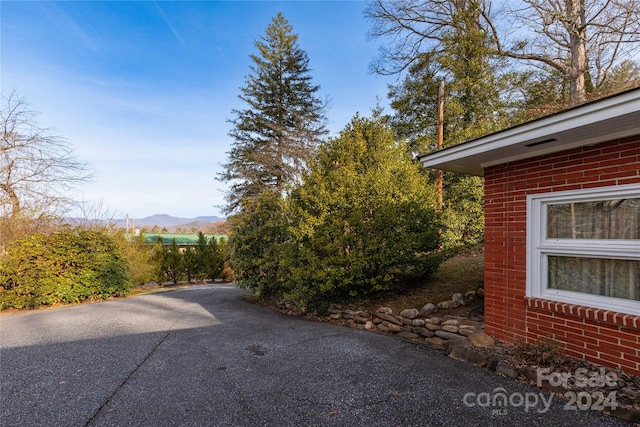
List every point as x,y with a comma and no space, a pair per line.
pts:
37,168
569,36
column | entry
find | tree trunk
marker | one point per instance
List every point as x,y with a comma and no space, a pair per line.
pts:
578,45
15,200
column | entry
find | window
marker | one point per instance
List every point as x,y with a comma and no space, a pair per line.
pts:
583,247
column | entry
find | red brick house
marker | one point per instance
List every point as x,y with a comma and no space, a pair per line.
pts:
562,228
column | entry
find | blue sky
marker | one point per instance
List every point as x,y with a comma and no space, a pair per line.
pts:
143,90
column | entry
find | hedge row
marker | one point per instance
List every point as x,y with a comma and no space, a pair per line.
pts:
68,266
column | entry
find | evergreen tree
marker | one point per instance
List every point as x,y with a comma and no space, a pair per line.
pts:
256,244
189,262
582,40
282,123
173,263
158,260
362,221
474,106
201,255
214,258
474,88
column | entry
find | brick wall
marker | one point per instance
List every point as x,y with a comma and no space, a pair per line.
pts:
608,338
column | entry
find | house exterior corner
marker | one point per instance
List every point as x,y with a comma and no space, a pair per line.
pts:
601,328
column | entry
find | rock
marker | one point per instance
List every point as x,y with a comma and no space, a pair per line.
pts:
434,320
389,318
382,327
333,311
428,309
369,325
435,342
466,332
336,316
404,320
385,310
392,327
423,331
445,305
409,313
335,307
480,292
418,322
468,354
457,297
470,295
449,335
480,339
453,322
450,328
530,372
359,319
432,327
458,341
492,362
377,320
408,335
506,370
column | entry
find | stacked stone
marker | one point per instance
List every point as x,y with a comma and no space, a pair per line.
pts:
410,323
461,337
413,324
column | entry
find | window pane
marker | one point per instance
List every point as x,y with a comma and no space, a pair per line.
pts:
598,276
605,219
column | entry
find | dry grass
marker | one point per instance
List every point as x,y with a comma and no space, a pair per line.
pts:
461,273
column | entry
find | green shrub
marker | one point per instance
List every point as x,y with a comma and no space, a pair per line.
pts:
67,266
140,261
362,221
362,218
256,245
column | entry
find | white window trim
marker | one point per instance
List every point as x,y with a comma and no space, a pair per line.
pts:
539,247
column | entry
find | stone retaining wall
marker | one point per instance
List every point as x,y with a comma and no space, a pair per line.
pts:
410,324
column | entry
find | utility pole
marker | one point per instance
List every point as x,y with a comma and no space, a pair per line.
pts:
440,139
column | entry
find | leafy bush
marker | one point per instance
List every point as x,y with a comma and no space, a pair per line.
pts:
362,219
141,264
173,262
462,217
67,266
257,245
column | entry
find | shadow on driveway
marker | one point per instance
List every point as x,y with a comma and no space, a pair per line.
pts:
203,357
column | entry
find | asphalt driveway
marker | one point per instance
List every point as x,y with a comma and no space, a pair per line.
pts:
202,356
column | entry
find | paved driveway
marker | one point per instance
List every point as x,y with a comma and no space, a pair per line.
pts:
203,357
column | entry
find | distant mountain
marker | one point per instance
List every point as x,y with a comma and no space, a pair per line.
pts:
161,220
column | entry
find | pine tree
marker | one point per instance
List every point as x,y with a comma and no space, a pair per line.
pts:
189,263
201,255
214,257
173,262
282,123
474,81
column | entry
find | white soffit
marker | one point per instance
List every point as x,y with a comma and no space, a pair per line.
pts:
603,120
